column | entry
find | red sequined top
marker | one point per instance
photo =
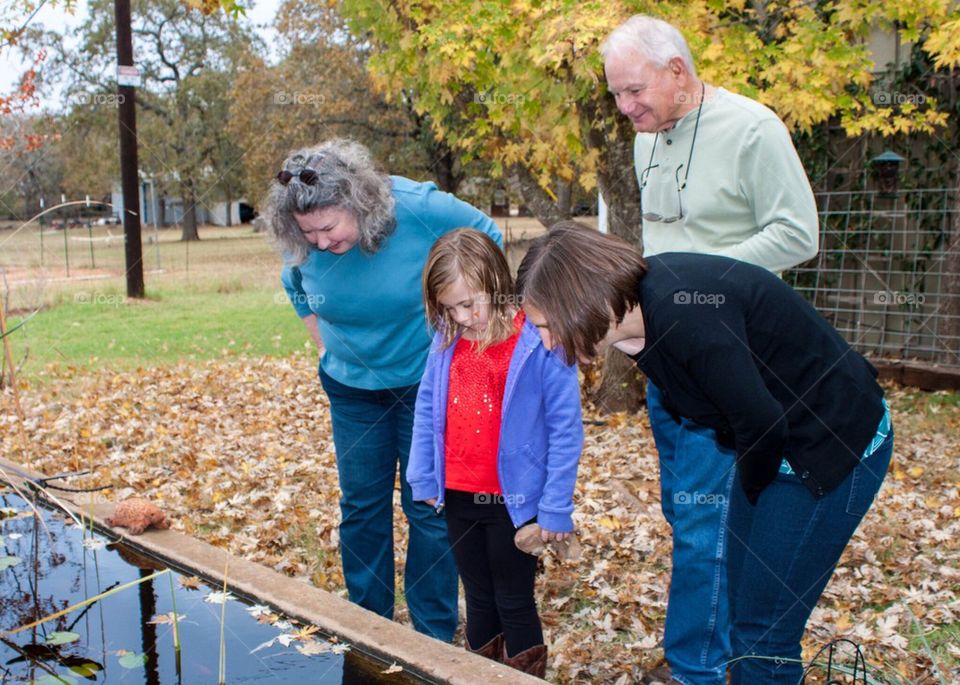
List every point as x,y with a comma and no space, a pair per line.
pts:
474,401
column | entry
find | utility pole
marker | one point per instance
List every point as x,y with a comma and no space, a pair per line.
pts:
127,79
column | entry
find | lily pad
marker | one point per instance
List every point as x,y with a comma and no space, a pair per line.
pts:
62,637
131,660
87,670
55,680
7,562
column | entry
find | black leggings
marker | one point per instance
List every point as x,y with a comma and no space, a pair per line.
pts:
497,577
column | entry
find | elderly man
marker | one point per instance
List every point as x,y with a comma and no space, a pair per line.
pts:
718,174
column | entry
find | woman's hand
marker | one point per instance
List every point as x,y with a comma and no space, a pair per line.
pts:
313,328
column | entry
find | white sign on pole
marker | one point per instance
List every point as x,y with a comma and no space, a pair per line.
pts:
128,75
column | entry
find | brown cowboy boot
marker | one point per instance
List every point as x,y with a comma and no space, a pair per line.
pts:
532,661
492,650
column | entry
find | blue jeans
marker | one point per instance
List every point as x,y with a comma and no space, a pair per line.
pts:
696,479
781,554
371,433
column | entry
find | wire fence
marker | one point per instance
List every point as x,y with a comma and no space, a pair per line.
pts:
886,276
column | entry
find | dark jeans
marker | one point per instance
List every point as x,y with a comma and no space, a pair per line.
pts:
497,577
696,477
780,556
371,432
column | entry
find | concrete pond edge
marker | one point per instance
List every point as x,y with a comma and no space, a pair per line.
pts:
370,634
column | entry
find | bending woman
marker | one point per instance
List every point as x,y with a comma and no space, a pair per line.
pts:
735,349
354,242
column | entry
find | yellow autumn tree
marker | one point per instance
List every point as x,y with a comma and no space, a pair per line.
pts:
520,83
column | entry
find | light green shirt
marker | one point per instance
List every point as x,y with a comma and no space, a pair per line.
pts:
747,195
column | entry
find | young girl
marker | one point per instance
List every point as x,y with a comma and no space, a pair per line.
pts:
497,437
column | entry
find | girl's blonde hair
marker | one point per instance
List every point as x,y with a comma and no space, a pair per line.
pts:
473,255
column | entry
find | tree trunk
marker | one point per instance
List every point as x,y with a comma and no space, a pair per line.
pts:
229,212
544,207
622,387
449,176
564,197
949,342
189,219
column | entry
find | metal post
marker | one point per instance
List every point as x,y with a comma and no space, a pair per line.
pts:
93,264
66,242
127,114
42,203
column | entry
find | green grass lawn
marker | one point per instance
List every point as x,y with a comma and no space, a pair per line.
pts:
104,328
209,299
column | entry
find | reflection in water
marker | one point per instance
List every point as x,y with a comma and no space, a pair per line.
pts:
148,630
112,640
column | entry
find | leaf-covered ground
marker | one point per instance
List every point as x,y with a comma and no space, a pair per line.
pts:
238,453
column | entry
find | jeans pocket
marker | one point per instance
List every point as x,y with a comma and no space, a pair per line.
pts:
867,477
861,492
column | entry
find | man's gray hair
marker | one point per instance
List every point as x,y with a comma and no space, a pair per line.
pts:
655,39
340,173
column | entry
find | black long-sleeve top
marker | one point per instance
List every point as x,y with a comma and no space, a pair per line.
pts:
734,348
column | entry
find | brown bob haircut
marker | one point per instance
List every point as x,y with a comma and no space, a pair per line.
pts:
579,279
471,254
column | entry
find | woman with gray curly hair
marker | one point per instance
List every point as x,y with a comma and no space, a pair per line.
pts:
354,242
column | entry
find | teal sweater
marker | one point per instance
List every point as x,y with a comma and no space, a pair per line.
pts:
370,306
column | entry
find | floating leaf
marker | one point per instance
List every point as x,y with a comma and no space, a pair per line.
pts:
87,670
15,536
55,680
131,660
7,562
313,647
191,583
166,619
218,597
305,633
62,637
258,610
265,645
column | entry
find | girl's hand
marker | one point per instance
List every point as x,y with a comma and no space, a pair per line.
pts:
548,535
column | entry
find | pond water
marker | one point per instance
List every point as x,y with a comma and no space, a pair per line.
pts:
128,636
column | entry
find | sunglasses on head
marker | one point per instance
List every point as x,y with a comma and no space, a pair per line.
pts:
306,175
